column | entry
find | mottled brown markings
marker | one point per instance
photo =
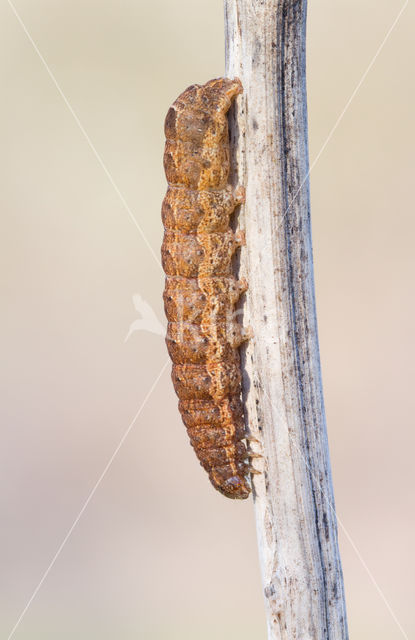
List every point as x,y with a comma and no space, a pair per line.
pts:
200,294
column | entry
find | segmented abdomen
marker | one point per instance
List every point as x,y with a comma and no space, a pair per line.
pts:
201,292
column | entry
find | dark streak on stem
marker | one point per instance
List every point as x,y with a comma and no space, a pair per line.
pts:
289,70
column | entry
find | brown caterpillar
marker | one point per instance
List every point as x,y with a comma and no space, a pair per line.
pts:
200,291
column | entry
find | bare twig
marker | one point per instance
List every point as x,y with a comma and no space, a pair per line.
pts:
296,522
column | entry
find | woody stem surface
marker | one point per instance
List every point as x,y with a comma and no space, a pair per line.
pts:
282,388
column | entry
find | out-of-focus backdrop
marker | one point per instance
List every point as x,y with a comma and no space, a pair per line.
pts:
156,553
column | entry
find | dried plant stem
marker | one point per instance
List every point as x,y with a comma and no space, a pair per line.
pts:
296,521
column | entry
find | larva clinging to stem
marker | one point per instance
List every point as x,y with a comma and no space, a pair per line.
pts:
200,294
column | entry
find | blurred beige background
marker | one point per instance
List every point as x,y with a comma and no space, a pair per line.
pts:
157,553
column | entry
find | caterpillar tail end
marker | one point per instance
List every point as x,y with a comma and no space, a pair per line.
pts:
236,487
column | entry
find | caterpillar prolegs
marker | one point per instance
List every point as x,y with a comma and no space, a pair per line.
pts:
200,293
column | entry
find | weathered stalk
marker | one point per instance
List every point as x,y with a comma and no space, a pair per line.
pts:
296,521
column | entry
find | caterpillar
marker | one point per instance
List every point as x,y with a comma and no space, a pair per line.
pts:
200,292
